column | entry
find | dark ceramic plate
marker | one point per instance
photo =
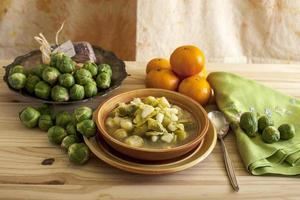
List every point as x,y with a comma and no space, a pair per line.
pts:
33,58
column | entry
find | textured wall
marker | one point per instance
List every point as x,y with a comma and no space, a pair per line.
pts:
227,30
107,23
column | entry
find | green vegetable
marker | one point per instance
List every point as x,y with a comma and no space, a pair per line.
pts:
62,118
140,130
103,80
55,59
45,109
104,68
38,71
17,69
181,135
68,141
150,100
59,93
248,123
66,80
82,76
82,113
29,117
264,122
50,75
77,92
92,67
66,64
42,90
32,80
78,153
155,125
17,80
134,141
56,134
90,89
71,129
287,131
86,127
270,135
45,122
120,134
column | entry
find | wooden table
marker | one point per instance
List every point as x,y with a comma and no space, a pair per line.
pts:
23,177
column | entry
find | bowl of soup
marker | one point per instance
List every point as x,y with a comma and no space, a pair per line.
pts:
152,124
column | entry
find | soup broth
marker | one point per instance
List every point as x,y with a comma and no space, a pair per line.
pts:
151,123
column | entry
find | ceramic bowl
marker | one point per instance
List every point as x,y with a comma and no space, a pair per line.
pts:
175,98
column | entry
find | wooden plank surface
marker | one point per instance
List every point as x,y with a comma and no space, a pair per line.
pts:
22,150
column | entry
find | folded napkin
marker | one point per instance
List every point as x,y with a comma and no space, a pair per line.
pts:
235,95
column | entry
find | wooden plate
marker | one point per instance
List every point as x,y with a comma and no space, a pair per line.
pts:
111,157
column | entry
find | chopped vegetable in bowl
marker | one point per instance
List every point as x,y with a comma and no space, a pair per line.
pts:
151,123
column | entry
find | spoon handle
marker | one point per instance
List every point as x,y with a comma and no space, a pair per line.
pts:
229,167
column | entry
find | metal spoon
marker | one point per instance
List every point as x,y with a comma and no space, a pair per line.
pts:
222,127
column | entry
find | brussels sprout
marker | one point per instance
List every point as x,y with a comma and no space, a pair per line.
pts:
134,141
248,123
78,153
29,117
126,124
181,135
140,130
92,67
103,80
55,59
17,69
287,131
42,90
270,135
62,118
264,122
167,137
166,121
77,92
45,122
86,127
150,100
38,70
66,64
45,109
155,125
56,134
82,76
66,80
68,141
59,93
50,75
17,80
119,134
32,80
82,113
104,68
71,129
90,89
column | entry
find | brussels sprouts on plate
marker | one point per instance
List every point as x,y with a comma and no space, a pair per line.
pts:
59,93
66,80
63,71
77,92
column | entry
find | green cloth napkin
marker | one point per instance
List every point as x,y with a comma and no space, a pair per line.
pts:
235,95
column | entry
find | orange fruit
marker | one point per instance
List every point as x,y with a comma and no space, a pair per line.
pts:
162,78
197,88
158,63
187,61
203,73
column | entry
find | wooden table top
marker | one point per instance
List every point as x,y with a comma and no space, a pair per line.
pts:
23,177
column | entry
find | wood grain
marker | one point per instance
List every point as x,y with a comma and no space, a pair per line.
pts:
22,150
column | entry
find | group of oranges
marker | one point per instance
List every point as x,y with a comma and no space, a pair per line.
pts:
185,72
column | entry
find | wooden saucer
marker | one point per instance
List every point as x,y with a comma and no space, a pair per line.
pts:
105,153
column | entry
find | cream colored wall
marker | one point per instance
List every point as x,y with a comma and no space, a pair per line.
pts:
261,31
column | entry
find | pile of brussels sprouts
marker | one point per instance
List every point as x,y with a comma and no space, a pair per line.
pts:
61,80
265,126
63,128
